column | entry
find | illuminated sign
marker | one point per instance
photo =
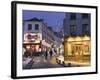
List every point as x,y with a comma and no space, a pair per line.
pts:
31,37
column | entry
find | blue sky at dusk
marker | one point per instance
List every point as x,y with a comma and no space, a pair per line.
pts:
54,19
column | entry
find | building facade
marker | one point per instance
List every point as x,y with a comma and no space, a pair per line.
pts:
76,24
77,37
37,36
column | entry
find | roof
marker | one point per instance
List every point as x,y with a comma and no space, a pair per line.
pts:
34,19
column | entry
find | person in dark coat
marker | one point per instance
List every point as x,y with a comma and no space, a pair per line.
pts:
46,54
50,52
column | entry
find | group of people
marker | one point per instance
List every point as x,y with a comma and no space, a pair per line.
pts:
45,52
49,53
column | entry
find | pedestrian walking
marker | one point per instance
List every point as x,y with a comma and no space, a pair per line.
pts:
50,52
46,54
54,52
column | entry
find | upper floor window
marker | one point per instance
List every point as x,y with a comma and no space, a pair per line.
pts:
29,26
84,15
73,30
72,16
36,26
85,29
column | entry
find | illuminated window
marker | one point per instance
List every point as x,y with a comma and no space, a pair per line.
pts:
86,48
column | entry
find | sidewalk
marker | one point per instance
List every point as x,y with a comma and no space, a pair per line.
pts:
53,60
78,63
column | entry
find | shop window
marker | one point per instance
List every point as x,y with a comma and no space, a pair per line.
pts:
86,48
73,50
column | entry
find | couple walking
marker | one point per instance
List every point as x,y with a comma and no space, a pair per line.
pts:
49,52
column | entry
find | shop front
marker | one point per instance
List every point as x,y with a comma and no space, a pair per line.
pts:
77,49
32,44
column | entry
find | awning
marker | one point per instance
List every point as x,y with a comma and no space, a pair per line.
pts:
46,44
